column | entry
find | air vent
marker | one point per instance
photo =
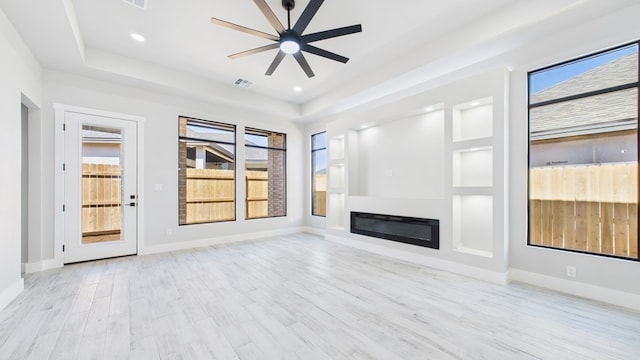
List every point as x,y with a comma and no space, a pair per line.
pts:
142,4
243,83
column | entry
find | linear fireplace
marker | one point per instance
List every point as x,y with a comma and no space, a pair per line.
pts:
409,230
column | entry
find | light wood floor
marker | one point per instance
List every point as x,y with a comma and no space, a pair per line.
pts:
298,297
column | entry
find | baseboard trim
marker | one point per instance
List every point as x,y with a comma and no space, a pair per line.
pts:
313,230
575,288
453,267
186,245
33,267
11,292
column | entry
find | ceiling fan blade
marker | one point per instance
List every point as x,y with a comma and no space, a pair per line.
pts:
268,13
322,35
324,53
254,51
308,14
244,29
304,64
275,63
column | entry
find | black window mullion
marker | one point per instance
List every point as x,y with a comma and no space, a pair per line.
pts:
585,95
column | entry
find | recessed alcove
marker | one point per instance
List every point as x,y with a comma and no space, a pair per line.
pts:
336,176
403,158
336,148
473,167
441,162
473,224
473,120
335,216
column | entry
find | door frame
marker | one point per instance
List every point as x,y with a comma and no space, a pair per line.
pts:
60,111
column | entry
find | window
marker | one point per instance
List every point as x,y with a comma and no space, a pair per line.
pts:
266,173
319,174
206,177
583,154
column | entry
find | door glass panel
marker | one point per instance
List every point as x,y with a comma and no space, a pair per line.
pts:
101,184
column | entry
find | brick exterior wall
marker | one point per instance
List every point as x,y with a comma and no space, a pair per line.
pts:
277,175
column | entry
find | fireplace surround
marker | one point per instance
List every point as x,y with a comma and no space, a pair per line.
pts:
408,230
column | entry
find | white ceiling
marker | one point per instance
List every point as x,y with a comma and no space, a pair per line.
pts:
184,52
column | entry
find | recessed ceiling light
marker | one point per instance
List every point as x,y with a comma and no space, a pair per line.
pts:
363,127
297,89
475,103
137,37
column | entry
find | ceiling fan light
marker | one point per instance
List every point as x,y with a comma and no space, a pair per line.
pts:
289,46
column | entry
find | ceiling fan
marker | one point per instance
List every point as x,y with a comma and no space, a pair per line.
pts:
291,40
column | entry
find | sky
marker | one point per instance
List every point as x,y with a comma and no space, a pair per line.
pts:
320,141
547,78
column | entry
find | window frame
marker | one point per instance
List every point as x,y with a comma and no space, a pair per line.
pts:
256,131
572,97
313,174
214,124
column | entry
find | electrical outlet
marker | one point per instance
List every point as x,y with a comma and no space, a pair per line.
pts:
571,271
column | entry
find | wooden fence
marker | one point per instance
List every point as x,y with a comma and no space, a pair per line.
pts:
590,208
257,188
321,195
210,197
100,202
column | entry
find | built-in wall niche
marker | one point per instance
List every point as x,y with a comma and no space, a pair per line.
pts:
336,176
473,120
473,167
336,214
336,148
336,182
404,158
473,224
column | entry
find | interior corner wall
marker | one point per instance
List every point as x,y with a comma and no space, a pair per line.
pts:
160,159
21,76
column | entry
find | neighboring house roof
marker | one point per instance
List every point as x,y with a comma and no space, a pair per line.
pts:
589,114
620,71
252,154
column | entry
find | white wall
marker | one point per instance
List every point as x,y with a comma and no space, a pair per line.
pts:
600,278
21,79
403,158
403,166
160,163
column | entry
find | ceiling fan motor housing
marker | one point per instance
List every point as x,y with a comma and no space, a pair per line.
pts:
288,4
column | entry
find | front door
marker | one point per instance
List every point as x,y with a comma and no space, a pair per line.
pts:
100,180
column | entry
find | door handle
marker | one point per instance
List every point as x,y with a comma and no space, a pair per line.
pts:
132,204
